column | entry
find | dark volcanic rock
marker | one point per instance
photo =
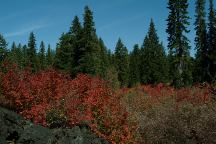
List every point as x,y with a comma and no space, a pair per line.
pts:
15,129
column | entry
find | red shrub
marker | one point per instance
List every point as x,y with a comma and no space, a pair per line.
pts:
100,107
82,100
195,95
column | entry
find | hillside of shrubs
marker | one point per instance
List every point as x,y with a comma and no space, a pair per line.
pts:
143,114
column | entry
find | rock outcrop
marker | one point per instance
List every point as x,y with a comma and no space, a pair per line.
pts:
16,130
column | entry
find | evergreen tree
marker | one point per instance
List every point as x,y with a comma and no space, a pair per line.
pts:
13,47
24,59
69,49
3,48
49,57
42,56
12,55
154,62
90,61
80,51
76,27
134,66
212,42
103,59
110,57
19,55
77,48
178,43
201,62
31,52
63,53
15,55
122,63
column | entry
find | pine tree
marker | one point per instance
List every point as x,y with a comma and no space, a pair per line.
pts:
110,57
80,50
24,59
212,42
63,54
122,63
13,47
134,66
104,65
90,61
77,52
19,55
15,54
154,62
76,27
42,56
3,48
201,62
31,52
49,57
12,54
178,43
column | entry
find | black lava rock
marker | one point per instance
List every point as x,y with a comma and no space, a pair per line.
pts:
14,129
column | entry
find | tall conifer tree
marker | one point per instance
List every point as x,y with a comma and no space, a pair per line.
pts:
42,56
104,65
15,55
178,43
12,55
77,51
32,55
202,60
19,55
90,62
154,62
49,57
122,63
212,41
24,56
134,66
63,53
3,48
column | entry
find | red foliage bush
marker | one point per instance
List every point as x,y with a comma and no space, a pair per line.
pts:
195,95
101,108
82,100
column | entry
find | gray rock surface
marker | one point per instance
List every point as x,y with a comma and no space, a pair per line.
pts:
16,130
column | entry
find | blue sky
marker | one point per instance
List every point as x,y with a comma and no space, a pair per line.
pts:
127,19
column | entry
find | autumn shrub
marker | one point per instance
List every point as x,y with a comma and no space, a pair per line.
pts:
196,95
189,124
54,100
101,108
167,115
140,98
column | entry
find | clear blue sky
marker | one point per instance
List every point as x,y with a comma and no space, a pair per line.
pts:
128,19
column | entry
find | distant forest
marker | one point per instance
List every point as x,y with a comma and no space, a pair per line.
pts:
80,50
